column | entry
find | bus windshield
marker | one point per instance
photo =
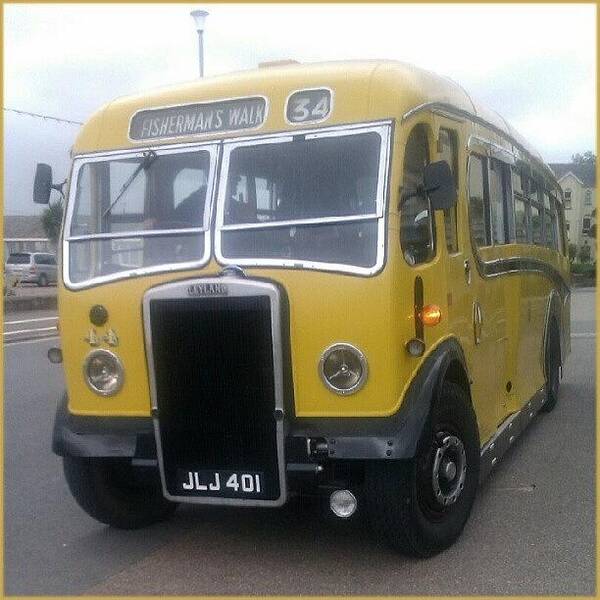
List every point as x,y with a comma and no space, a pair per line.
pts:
138,212
307,198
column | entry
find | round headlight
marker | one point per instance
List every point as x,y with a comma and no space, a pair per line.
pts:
103,372
343,368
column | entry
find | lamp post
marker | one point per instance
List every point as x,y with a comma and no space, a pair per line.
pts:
199,17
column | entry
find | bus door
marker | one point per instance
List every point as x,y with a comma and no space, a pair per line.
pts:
487,332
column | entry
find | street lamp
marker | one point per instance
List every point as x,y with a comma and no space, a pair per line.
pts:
199,17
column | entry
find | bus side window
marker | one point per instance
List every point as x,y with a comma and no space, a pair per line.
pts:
496,186
448,151
416,223
478,203
536,211
520,208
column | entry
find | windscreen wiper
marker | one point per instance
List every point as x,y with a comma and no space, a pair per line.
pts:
149,157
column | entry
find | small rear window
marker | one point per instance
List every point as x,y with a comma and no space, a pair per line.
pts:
19,259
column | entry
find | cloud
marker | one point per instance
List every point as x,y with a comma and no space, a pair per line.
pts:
535,64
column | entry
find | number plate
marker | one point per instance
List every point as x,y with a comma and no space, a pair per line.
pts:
227,484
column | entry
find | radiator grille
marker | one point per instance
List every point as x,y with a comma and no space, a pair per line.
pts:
213,363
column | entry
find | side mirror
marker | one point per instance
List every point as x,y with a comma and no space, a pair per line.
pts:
439,185
42,184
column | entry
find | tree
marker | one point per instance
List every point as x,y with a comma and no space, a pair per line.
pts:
572,252
52,219
585,253
586,163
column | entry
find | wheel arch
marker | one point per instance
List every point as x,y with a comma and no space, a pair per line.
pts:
552,317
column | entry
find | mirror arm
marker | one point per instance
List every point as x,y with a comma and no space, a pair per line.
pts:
59,188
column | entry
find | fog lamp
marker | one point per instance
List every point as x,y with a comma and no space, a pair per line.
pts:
343,368
343,503
103,372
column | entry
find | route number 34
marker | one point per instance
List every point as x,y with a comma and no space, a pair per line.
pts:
308,106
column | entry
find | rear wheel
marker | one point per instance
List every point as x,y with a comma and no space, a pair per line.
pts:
113,492
552,366
420,506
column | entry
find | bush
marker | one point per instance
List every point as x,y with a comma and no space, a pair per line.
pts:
586,270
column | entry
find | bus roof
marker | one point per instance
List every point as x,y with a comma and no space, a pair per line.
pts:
363,91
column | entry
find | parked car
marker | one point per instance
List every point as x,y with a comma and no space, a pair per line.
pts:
31,267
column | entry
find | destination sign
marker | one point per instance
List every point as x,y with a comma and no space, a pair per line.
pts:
195,119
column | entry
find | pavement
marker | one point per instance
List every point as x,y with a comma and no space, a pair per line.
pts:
532,530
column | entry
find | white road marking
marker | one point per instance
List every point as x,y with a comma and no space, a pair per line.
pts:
36,341
583,335
30,321
30,330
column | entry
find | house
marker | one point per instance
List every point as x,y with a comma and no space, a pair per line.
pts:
578,183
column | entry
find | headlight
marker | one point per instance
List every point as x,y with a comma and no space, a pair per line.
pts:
103,372
343,368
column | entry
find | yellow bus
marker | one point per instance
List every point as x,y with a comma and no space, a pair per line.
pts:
345,279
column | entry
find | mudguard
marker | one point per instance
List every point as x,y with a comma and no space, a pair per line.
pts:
394,437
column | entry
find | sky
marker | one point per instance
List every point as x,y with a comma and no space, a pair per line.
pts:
535,64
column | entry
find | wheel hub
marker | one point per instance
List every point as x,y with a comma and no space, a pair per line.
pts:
449,469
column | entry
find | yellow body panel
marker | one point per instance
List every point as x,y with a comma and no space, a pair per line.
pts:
375,313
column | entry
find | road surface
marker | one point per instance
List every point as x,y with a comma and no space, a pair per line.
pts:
531,532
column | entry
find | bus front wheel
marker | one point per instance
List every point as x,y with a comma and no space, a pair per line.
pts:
420,506
115,493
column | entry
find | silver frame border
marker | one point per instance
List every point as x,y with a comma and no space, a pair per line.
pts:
362,359
212,147
382,128
236,288
120,369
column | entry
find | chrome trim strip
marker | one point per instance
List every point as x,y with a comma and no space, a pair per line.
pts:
520,264
214,152
384,131
493,150
291,222
134,234
466,114
236,287
508,432
195,135
313,89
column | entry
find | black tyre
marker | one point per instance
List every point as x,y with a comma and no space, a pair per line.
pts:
420,506
113,492
552,366
42,280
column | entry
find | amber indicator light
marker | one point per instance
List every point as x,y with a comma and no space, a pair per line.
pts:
431,314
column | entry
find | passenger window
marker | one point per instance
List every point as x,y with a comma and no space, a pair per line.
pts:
536,224
521,234
497,202
448,151
416,223
517,182
478,213
532,190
